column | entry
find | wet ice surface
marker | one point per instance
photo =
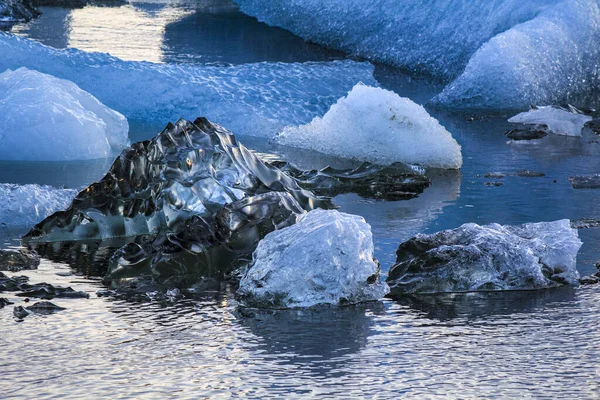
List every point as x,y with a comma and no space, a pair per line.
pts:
500,344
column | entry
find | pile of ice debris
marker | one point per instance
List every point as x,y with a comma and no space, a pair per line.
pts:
378,126
49,119
17,10
195,203
500,55
257,99
26,205
325,258
487,258
553,120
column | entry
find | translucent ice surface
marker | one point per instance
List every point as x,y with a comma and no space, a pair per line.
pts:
325,258
555,120
26,205
505,54
50,119
254,99
378,126
488,257
17,10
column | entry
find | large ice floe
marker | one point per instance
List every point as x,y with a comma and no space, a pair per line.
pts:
487,258
326,258
376,125
500,54
194,202
26,205
554,120
45,118
251,99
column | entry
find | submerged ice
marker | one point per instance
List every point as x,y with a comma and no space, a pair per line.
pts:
503,54
256,99
378,126
326,258
50,119
554,120
488,257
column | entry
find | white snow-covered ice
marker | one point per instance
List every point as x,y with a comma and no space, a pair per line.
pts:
556,120
26,205
45,118
326,258
256,99
489,257
504,54
376,125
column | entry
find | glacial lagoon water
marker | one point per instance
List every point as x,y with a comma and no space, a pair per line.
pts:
541,344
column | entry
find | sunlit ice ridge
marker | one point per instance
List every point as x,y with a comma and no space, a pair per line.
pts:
504,54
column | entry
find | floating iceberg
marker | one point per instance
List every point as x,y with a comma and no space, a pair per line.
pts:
489,257
504,54
554,120
376,125
26,205
326,258
252,99
17,10
51,119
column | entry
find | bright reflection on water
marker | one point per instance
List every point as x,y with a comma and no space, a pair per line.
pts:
542,344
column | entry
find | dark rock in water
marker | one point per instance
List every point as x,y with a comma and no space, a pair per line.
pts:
594,125
494,175
493,183
487,258
584,223
525,173
394,182
19,312
585,181
49,291
17,11
197,202
12,284
17,260
526,134
44,307
4,302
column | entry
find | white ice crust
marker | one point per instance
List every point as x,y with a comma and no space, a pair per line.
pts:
505,54
376,125
324,259
26,205
45,118
557,121
256,99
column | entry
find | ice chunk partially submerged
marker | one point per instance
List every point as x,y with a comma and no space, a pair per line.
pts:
17,10
45,118
256,99
378,126
26,205
489,257
554,120
326,258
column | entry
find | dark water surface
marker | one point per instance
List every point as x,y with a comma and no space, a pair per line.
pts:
538,344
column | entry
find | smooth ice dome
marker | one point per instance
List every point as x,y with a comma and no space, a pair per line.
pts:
489,257
50,119
26,205
505,54
326,258
257,99
556,120
378,126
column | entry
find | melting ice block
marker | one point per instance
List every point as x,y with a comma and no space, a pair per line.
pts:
26,205
555,120
504,54
50,119
326,258
256,99
378,126
489,257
